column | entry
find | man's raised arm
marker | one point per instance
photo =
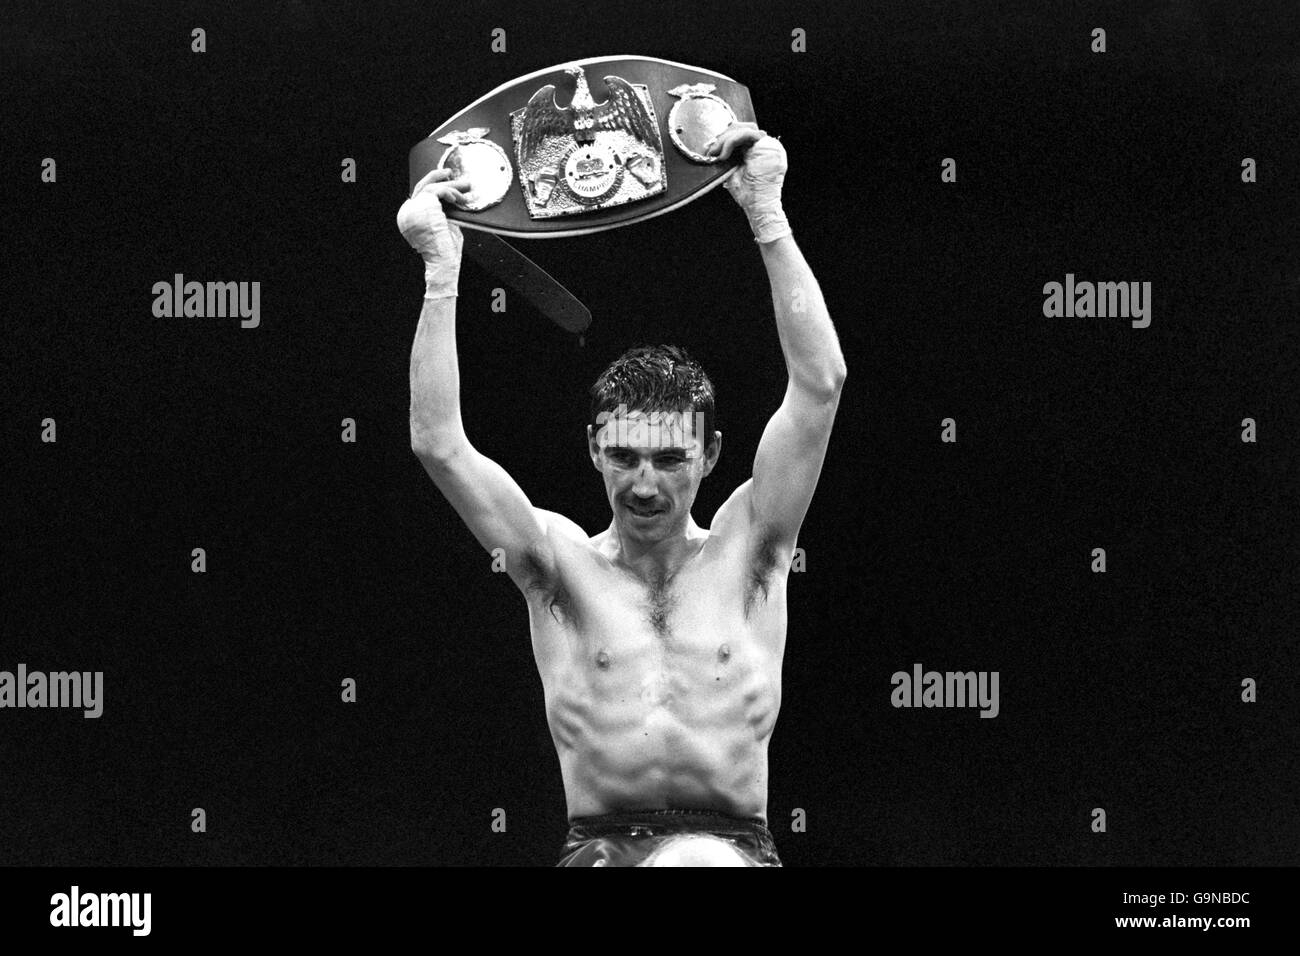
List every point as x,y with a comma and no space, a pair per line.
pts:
487,499
793,446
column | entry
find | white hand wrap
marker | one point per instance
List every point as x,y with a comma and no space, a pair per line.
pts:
756,186
442,271
425,226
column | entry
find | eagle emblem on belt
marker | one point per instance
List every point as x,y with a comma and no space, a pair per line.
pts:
624,110
574,158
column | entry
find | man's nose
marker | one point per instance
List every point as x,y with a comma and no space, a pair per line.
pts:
645,485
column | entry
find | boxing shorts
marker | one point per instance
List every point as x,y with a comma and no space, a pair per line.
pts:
668,838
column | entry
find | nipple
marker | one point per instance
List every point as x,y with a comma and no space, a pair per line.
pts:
724,653
602,660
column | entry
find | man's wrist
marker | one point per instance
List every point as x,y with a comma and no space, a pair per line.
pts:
768,223
441,278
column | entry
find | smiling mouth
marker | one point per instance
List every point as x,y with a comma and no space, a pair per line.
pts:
644,512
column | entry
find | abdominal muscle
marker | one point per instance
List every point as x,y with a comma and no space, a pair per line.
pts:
646,725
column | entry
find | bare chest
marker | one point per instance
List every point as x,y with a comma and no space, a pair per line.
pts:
705,598
703,617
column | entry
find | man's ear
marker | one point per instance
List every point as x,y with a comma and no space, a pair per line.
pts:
593,449
712,452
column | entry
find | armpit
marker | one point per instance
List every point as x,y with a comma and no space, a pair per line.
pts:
764,560
543,582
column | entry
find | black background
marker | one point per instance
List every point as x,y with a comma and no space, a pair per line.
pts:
329,560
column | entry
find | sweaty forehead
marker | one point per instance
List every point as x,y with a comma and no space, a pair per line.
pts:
650,431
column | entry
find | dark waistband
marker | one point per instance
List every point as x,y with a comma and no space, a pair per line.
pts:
654,822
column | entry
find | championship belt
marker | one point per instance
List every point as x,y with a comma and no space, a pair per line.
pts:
628,143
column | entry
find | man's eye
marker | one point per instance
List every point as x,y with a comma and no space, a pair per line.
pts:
670,460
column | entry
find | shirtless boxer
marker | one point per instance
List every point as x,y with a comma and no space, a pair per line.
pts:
659,643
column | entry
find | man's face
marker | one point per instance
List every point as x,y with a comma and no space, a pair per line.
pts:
652,465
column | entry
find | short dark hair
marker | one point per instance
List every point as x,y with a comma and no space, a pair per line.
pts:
655,378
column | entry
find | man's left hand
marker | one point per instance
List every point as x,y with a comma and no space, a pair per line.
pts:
756,184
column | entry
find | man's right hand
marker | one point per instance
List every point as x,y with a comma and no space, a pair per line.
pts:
424,225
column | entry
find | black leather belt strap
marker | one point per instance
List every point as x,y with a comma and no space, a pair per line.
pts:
507,264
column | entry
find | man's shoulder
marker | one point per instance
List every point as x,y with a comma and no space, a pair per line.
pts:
737,519
736,514
564,530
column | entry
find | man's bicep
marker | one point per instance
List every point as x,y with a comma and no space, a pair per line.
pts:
789,461
495,509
